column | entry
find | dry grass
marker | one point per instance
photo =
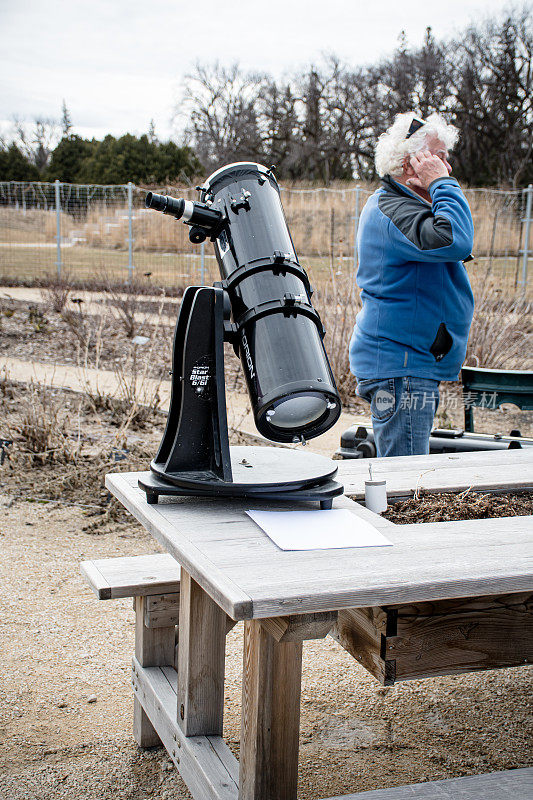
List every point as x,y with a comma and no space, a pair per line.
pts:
321,222
41,427
34,225
502,328
53,456
338,303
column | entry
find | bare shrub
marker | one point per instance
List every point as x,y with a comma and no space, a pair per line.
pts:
127,304
127,301
56,293
7,307
42,427
37,318
139,391
87,331
501,332
337,301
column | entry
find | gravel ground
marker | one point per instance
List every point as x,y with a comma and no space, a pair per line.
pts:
66,704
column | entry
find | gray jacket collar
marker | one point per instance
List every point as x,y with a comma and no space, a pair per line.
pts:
390,185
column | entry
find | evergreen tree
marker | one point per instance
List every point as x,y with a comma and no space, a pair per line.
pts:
136,159
14,166
68,158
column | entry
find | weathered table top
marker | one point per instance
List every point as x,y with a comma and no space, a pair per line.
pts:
493,469
250,577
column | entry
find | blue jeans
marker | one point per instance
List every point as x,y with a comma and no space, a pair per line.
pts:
402,413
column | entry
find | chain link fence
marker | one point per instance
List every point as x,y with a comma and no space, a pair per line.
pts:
94,234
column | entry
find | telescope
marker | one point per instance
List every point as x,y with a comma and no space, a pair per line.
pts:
262,307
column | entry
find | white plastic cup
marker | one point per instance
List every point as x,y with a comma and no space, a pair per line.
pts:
376,496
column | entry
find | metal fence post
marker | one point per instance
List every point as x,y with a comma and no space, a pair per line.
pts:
130,232
355,226
527,227
202,264
58,226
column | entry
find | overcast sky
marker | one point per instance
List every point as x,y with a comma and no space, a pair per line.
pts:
120,63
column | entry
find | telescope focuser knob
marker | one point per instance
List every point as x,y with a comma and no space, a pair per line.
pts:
197,235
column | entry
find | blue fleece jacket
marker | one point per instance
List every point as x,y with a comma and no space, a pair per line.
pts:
416,295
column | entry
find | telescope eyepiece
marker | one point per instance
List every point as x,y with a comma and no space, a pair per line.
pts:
203,219
166,204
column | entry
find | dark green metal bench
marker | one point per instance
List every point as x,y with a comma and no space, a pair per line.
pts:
490,388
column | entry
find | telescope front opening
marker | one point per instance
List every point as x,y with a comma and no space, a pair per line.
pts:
297,412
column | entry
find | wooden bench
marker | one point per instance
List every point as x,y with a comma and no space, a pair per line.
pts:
154,583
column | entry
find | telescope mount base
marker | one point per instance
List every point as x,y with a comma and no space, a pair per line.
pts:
259,473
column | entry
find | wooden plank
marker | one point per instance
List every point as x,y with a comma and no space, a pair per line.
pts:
460,636
162,610
230,624
361,632
440,638
201,661
96,580
154,647
510,469
206,764
270,718
431,561
513,784
129,576
217,743
297,627
167,532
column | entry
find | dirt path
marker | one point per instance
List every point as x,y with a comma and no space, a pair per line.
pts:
65,698
93,302
80,379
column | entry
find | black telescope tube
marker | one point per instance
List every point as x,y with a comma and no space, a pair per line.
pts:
279,334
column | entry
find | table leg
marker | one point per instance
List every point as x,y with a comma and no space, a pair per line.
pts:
270,721
154,647
201,661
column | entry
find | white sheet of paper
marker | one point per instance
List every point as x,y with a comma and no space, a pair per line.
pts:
318,530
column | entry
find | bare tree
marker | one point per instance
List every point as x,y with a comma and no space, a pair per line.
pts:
280,128
322,125
493,100
221,109
66,121
37,141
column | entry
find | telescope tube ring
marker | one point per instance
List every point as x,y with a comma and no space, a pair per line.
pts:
269,265
286,307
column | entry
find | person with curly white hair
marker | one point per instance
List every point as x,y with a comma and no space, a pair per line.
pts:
415,233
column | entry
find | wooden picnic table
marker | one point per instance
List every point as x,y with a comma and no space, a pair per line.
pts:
402,611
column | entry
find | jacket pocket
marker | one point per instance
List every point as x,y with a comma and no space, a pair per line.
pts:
442,343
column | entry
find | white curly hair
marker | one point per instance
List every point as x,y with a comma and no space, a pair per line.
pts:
393,146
